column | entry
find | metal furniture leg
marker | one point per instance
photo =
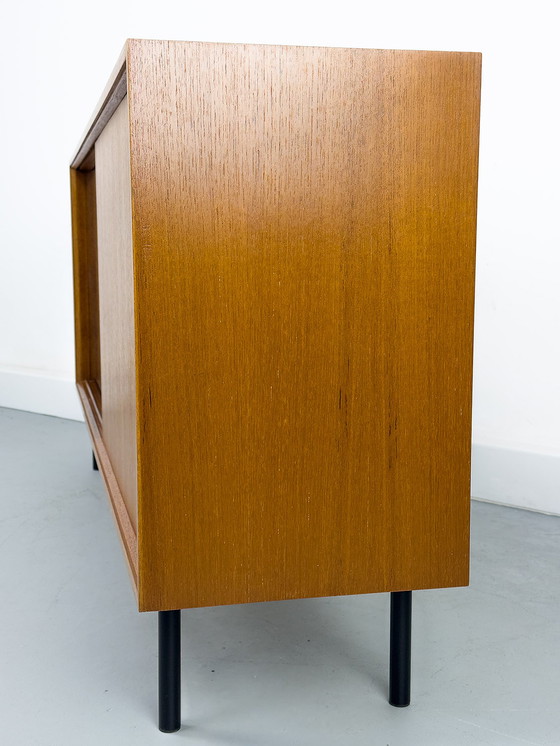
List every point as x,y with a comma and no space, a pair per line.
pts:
399,663
169,633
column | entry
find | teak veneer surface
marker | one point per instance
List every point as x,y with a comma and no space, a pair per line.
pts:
86,309
303,236
116,303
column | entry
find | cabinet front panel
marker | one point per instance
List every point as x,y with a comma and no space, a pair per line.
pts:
86,286
304,229
116,303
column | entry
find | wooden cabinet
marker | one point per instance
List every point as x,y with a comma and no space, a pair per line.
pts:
274,257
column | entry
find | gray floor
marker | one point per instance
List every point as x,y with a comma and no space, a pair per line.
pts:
78,663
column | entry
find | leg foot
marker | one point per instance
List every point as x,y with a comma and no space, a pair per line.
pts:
94,462
399,664
169,624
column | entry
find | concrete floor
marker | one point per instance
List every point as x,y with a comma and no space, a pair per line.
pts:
78,663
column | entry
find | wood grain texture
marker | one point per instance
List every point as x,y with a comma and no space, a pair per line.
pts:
304,238
127,533
86,294
116,304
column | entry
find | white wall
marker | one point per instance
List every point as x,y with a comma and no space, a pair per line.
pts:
55,58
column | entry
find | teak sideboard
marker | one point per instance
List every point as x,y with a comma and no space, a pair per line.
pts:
274,253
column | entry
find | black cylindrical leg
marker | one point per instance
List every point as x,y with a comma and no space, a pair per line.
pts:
399,663
94,462
169,623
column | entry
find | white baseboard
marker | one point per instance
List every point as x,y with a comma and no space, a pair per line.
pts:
517,478
41,393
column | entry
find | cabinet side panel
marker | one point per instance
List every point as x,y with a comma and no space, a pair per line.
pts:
304,229
116,303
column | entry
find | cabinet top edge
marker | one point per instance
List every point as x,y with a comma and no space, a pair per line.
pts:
112,95
262,45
